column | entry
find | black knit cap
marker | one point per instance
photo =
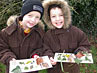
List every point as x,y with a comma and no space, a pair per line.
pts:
32,5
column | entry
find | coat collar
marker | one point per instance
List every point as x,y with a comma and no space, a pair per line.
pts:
62,30
10,29
13,27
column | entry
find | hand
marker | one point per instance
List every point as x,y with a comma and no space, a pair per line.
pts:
52,61
36,56
13,59
79,54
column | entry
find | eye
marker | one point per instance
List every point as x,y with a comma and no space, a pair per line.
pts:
30,15
37,17
53,16
61,15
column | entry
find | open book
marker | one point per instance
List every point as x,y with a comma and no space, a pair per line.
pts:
29,65
71,58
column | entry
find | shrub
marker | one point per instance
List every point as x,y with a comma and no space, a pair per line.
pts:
84,14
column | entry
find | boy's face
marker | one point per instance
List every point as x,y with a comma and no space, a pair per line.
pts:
57,18
31,19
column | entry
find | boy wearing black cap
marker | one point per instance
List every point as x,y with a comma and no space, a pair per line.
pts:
23,38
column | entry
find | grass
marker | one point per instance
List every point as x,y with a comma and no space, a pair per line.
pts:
84,68
90,68
2,68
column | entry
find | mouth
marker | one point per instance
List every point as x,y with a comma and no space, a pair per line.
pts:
30,24
59,23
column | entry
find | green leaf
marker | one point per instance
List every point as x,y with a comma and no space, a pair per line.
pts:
16,70
86,58
26,68
77,60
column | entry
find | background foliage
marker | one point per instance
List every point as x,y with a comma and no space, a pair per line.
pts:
8,8
84,14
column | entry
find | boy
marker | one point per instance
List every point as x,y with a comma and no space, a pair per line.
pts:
23,38
62,36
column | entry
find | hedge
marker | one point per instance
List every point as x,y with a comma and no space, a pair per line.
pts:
84,14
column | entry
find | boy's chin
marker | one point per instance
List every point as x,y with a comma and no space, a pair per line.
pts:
30,26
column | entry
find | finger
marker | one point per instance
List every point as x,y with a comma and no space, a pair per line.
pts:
13,59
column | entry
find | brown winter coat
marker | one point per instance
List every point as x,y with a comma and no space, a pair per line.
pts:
69,38
14,44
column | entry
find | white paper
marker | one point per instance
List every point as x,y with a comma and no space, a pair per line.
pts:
29,65
70,57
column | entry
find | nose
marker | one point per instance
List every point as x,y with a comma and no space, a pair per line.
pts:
57,18
33,19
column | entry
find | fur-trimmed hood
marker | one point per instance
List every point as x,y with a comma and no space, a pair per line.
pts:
12,19
65,9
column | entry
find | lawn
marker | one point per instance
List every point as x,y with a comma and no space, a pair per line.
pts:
84,68
90,68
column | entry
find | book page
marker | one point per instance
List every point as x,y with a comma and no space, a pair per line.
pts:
29,65
70,57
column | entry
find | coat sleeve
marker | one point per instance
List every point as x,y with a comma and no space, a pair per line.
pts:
5,53
46,46
83,42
